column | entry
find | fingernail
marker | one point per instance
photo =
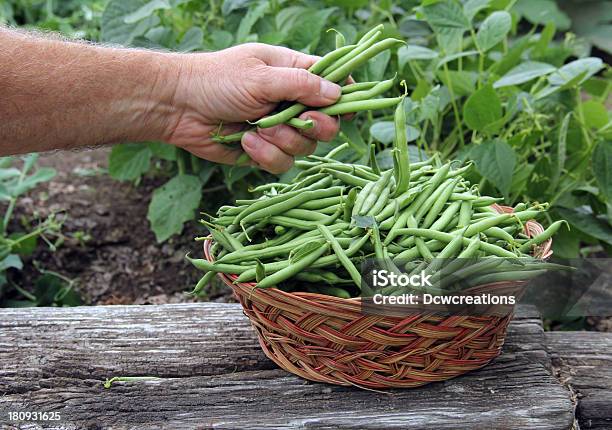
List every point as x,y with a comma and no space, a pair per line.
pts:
329,90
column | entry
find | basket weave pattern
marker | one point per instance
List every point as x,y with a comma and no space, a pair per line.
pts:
328,339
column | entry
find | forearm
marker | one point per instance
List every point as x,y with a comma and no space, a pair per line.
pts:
58,94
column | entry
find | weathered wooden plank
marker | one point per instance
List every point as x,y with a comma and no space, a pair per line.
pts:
216,376
583,360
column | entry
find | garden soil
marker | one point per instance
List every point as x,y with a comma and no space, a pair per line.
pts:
109,249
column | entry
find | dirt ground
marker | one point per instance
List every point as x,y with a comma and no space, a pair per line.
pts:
109,248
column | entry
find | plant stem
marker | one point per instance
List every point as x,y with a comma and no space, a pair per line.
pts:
454,104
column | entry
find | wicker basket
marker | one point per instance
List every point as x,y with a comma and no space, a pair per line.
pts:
328,339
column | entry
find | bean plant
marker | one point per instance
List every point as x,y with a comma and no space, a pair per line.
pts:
19,238
507,84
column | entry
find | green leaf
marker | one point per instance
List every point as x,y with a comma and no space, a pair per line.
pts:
447,20
414,52
129,161
192,40
173,204
307,33
472,7
306,249
452,57
595,114
582,218
231,5
559,153
482,108
146,10
221,39
542,12
493,30
163,150
602,167
351,132
11,261
463,82
495,160
9,173
524,72
43,174
363,221
384,132
252,16
378,65
114,29
583,69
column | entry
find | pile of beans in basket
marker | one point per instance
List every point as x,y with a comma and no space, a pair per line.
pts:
313,233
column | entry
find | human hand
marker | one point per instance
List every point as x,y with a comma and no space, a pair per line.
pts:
245,83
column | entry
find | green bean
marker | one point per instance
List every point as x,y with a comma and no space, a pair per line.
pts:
333,291
498,233
542,237
485,201
446,217
378,89
447,237
280,117
286,204
337,150
330,58
203,283
382,200
465,213
361,197
345,69
376,190
433,183
301,124
321,203
317,276
373,162
400,222
435,196
349,204
358,106
347,178
401,158
370,33
506,277
342,257
485,224
359,86
356,51
297,265
437,205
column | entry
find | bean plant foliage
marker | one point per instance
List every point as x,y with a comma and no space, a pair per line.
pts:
508,84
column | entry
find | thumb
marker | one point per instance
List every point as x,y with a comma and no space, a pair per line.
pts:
287,83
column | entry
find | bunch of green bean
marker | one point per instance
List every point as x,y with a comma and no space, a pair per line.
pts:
313,233
336,66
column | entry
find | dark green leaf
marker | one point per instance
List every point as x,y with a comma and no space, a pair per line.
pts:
163,150
252,16
583,68
602,167
595,114
462,82
113,26
173,204
524,72
129,161
43,174
192,40
493,30
472,7
231,5
11,261
146,10
447,20
495,160
583,219
384,132
354,138
414,52
482,108
364,221
542,12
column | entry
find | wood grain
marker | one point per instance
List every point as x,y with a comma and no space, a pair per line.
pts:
215,376
583,361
